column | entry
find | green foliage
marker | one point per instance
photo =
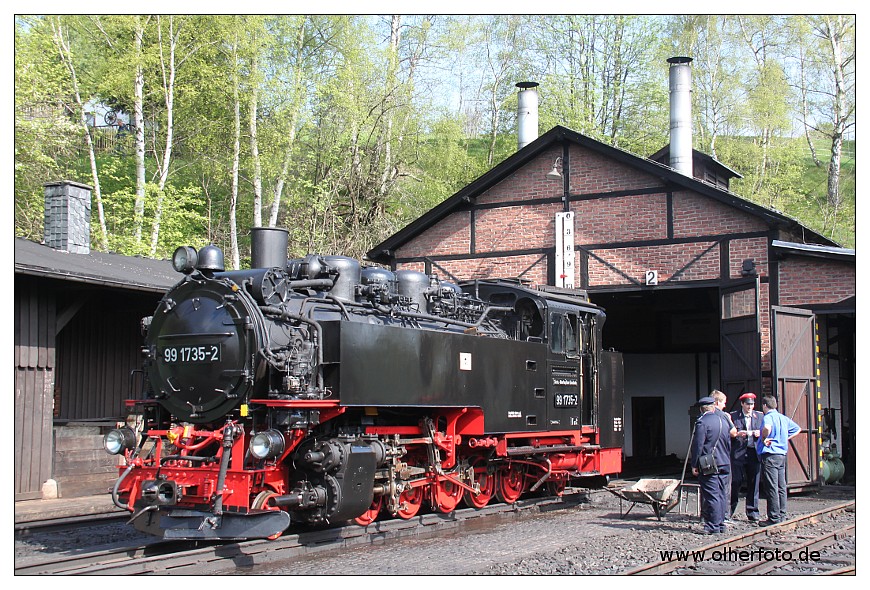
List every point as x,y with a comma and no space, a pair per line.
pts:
362,136
183,222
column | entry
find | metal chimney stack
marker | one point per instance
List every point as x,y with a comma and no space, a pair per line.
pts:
680,84
527,114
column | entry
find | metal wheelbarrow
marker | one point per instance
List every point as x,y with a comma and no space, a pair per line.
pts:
661,494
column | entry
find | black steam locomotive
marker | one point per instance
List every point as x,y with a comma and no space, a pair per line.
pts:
316,391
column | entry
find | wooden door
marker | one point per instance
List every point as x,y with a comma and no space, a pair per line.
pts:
740,339
794,364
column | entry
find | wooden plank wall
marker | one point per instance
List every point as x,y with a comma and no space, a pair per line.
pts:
97,350
34,384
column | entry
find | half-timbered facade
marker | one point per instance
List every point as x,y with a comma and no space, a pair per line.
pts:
700,285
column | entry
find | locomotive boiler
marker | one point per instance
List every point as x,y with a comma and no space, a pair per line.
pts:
315,391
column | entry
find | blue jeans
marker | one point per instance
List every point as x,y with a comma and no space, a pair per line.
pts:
773,472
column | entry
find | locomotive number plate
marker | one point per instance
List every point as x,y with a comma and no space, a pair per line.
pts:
567,400
205,353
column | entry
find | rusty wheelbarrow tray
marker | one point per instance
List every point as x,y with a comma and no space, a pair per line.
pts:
661,494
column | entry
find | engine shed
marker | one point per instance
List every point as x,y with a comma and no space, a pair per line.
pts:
77,340
702,289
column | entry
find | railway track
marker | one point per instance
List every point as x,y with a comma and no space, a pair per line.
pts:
199,557
804,544
69,522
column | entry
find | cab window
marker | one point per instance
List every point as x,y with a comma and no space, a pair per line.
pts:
564,336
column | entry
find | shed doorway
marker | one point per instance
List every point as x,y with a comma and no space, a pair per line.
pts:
669,337
648,426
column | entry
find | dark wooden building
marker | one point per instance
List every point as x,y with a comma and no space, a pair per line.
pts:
77,339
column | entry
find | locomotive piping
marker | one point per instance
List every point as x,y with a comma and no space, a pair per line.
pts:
225,463
115,499
286,315
545,477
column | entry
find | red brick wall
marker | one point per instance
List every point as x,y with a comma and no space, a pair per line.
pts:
450,236
621,219
807,281
667,260
531,267
592,172
696,215
754,248
515,228
529,182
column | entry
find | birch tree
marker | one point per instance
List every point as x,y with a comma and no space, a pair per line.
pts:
837,35
168,67
62,42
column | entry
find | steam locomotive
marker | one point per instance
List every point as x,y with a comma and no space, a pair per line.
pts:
315,391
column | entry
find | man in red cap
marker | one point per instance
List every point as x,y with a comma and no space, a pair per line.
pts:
744,460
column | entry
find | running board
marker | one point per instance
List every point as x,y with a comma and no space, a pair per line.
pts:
560,449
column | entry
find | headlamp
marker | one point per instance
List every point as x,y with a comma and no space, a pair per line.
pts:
184,259
267,445
117,441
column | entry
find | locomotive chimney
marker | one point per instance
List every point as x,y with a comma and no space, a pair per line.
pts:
680,85
527,113
68,216
269,247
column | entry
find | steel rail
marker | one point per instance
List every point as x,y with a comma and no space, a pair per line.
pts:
67,522
758,568
180,558
739,541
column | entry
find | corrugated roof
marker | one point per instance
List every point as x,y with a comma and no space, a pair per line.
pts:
96,268
814,250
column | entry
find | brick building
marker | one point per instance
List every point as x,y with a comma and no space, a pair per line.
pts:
703,289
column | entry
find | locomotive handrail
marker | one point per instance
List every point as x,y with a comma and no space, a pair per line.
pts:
426,316
198,335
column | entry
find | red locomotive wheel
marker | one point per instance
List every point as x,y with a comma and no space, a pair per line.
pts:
410,502
447,496
487,489
511,484
370,515
556,486
261,502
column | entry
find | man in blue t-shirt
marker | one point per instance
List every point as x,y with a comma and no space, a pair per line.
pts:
772,447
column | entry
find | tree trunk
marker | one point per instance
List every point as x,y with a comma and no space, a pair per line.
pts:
139,119
255,148
291,131
237,140
66,57
835,34
805,111
169,97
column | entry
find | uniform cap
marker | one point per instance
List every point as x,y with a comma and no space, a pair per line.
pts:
706,401
747,396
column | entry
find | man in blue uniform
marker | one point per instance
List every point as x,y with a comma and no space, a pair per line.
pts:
712,436
744,459
772,448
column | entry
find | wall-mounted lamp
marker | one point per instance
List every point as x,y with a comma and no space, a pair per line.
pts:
555,172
